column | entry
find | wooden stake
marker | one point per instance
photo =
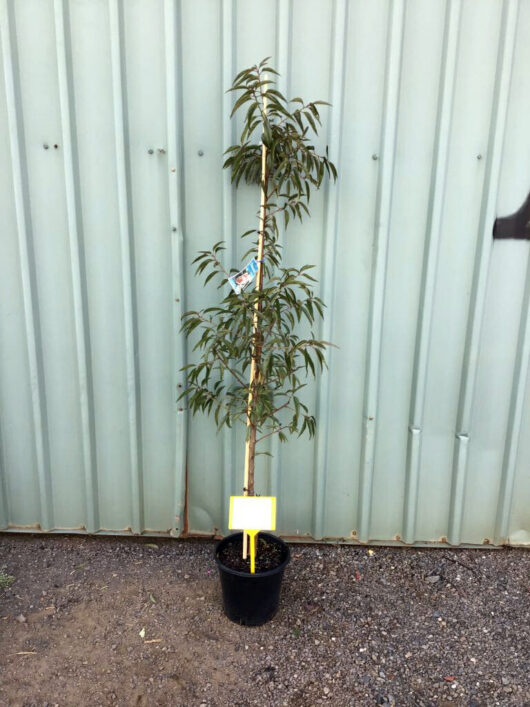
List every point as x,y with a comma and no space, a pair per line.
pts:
259,286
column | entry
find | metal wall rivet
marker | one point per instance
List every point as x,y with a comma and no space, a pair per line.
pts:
46,146
161,151
375,157
479,157
56,147
150,151
174,229
200,153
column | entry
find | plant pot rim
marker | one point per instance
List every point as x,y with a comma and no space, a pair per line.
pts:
256,576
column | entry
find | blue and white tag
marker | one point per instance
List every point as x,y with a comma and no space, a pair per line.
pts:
243,278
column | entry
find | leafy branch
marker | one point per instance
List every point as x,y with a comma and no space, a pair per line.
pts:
263,335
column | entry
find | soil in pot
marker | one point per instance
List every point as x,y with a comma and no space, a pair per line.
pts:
269,555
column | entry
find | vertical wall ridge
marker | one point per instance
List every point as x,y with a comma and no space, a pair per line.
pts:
430,266
227,75
4,493
515,418
173,50
338,71
127,259
482,260
284,24
77,271
382,229
27,267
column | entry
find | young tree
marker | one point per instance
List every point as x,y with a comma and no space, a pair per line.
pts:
253,359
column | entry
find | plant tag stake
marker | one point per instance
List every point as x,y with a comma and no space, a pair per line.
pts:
252,514
244,277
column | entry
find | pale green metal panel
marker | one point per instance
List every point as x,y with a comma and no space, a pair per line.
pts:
424,414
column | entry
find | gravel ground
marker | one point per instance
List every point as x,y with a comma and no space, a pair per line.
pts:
111,621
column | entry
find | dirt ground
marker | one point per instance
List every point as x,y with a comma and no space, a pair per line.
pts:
110,621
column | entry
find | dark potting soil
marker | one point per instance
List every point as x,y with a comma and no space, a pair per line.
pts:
268,556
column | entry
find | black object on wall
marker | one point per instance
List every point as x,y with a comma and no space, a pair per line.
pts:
515,226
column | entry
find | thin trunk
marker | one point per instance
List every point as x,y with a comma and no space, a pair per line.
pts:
252,457
255,379
255,375
250,448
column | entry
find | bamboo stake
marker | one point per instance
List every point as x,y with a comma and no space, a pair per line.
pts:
259,285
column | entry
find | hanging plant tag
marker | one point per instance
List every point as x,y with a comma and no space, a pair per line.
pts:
252,513
243,278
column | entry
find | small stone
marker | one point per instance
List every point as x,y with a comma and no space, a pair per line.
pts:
326,690
21,619
433,578
505,681
408,655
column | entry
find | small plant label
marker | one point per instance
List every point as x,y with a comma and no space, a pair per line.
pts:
252,513
244,277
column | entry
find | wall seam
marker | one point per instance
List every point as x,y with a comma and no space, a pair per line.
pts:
77,271
127,261
382,230
482,261
27,267
173,50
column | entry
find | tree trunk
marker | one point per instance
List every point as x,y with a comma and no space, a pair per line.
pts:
251,461
250,447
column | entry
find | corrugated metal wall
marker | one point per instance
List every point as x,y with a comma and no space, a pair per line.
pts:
113,120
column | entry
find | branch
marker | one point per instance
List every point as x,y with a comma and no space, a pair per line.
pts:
279,429
285,405
218,356
218,262
230,370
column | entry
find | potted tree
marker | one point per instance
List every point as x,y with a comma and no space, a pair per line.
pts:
256,347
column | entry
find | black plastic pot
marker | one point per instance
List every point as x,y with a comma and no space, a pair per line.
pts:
251,599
